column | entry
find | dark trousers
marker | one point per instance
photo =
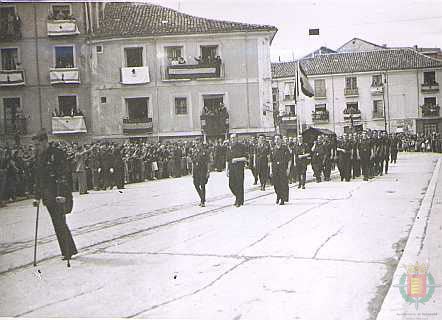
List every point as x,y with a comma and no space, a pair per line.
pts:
365,168
281,183
64,236
356,168
236,182
327,169
200,187
393,156
301,172
317,170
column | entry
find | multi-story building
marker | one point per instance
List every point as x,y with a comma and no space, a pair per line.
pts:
384,89
130,70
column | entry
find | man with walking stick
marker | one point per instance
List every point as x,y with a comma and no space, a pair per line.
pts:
53,188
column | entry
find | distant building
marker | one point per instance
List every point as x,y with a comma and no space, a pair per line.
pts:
392,89
131,71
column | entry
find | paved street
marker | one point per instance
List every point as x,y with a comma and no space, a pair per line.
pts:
150,252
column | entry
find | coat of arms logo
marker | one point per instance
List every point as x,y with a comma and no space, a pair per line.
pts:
416,285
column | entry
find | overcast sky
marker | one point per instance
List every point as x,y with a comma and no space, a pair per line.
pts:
391,22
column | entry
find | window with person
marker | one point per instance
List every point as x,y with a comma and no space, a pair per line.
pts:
376,80
61,11
351,83
134,57
64,57
137,109
209,54
9,58
320,88
213,104
67,106
429,77
180,105
352,107
174,55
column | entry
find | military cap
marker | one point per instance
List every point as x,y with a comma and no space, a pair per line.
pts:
41,135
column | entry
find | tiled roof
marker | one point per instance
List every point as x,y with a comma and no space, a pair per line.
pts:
283,69
144,19
377,60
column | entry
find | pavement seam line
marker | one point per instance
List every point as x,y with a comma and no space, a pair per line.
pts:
325,242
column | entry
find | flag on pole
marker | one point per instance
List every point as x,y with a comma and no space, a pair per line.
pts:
302,82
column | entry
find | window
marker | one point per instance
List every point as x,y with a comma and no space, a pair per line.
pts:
378,109
209,53
275,98
61,11
64,57
290,110
321,108
351,83
174,54
99,49
320,88
8,20
12,112
134,57
103,100
376,80
430,101
180,106
137,109
352,107
289,90
429,77
213,103
9,58
67,106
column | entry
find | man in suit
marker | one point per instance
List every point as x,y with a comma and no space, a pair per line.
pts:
262,157
200,170
236,158
301,154
52,187
281,163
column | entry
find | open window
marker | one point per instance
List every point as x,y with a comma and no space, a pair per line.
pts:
12,114
64,57
9,58
137,109
376,80
133,57
209,54
213,104
429,77
430,101
175,55
61,12
321,108
351,83
352,107
67,106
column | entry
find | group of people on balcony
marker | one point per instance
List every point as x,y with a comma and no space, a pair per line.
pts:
72,112
60,15
217,110
208,60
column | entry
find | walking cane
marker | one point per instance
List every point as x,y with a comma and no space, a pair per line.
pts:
36,203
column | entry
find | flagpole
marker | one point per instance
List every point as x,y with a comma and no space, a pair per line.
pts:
298,124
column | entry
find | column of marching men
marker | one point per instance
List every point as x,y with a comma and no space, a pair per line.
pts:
50,171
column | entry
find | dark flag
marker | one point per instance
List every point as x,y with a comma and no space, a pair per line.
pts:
313,32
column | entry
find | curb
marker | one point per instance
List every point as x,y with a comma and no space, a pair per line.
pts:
393,302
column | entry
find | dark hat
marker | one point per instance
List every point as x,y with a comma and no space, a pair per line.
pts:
41,135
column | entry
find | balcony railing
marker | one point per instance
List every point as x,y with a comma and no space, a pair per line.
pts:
68,125
430,87
15,126
194,71
63,27
351,92
430,110
10,28
12,78
377,89
351,114
137,125
135,75
320,116
64,76
215,124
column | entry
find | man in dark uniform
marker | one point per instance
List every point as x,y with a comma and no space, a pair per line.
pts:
317,158
262,155
236,158
301,155
365,156
327,147
200,162
52,187
252,160
394,148
281,163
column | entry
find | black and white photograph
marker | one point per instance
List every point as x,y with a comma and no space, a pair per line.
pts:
221,159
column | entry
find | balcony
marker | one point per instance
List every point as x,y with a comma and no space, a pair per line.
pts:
10,28
63,27
351,92
64,76
430,87
137,125
135,75
68,125
214,124
320,116
377,89
17,125
352,114
194,71
12,78
430,110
